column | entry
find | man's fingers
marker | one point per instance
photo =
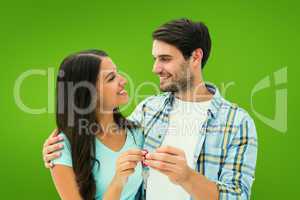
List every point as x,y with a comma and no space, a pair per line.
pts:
170,150
49,148
163,171
54,133
53,140
54,147
165,157
52,156
49,165
161,166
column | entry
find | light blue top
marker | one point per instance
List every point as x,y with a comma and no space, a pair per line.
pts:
107,158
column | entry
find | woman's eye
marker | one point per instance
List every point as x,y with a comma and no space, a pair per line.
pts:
112,78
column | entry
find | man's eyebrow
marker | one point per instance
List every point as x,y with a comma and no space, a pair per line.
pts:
163,56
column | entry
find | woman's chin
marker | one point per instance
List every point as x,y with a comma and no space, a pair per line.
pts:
123,101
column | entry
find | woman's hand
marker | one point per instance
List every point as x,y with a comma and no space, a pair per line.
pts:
125,166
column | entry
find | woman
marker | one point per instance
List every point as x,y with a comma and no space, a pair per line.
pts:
101,158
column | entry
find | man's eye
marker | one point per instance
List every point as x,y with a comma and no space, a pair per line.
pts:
164,59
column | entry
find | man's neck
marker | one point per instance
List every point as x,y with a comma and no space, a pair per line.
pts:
196,93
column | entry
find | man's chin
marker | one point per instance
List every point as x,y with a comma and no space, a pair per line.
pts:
168,88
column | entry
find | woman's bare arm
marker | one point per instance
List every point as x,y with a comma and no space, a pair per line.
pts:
65,182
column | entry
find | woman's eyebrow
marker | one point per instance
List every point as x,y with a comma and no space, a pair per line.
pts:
109,74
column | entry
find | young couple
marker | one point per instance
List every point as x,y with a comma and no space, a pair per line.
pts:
186,143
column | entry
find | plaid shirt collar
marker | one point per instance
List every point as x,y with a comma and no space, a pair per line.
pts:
213,109
156,128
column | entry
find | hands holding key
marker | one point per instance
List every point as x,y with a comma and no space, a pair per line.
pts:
171,162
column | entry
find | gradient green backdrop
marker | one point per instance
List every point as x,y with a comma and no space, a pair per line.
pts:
251,40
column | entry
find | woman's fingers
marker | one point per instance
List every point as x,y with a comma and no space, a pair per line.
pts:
130,158
131,155
133,152
127,172
127,165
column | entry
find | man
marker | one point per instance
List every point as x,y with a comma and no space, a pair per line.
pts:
200,145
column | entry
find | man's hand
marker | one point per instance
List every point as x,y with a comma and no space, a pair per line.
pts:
51,147
171,162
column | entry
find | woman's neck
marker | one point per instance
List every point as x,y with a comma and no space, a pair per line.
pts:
105,120
107,124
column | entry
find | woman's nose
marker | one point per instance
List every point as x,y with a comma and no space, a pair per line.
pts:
123,81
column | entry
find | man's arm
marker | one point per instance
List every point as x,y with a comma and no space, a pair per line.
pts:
199,187
237,175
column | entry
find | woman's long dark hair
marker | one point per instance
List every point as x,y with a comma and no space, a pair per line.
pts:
82,67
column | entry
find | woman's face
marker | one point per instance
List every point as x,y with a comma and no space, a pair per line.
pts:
110,86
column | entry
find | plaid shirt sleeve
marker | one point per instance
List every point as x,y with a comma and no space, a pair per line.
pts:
237,174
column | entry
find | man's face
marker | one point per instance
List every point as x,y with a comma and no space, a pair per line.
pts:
174,71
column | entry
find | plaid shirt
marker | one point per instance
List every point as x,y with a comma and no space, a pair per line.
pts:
226,149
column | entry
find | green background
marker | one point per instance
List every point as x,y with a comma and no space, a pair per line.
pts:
251,40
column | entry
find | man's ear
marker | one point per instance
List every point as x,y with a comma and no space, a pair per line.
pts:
197,56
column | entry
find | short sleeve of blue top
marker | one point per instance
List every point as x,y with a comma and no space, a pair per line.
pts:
104,173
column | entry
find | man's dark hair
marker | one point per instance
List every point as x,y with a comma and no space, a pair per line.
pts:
186,35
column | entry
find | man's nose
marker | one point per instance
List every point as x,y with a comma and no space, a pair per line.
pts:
157,68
